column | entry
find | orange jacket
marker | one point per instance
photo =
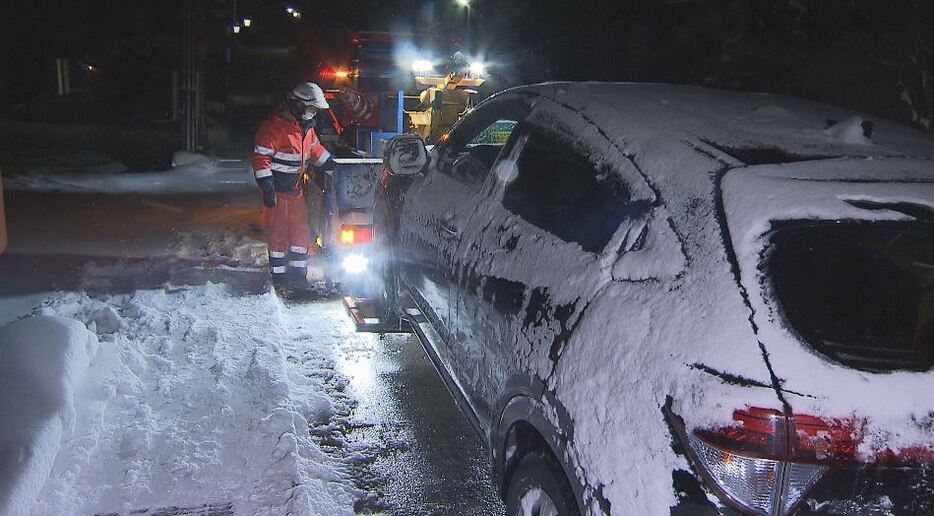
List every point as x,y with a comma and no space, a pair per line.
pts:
281,154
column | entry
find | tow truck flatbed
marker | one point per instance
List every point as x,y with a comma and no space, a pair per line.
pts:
367,319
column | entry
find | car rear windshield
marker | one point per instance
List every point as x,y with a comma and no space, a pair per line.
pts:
861,293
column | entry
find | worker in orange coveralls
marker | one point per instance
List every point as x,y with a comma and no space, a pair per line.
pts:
286,147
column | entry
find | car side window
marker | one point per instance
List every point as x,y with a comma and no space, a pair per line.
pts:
469,160
563,193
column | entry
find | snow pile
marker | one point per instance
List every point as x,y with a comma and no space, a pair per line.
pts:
186,397
42,362
223,247
206,410
192,160
849,131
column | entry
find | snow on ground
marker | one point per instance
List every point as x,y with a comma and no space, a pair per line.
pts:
42,360
222,247
175,397
89,172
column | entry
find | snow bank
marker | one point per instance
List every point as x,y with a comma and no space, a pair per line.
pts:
42,360
849,131
192,159
16,307
192,400
222,247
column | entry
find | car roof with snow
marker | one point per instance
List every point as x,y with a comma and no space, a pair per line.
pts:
754,128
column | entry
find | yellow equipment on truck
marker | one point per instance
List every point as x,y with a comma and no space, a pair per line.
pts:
446,100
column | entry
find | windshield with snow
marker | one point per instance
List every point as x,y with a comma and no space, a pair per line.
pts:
861,293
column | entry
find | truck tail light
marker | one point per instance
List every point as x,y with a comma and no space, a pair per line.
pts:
351,235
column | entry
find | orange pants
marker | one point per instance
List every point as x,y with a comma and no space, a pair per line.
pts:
288,237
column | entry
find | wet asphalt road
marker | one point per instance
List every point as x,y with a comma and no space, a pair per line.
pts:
432,461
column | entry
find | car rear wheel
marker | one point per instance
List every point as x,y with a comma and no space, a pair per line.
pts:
539,488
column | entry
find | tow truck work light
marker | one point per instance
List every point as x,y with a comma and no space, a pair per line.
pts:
422,66
355,263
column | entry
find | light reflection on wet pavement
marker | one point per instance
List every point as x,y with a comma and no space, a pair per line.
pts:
419,455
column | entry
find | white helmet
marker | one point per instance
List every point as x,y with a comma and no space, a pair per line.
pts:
309,94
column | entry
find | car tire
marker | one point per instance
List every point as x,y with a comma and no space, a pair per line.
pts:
538,487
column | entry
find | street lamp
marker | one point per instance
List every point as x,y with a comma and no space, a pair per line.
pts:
247,22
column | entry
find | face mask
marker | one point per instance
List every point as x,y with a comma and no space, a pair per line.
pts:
301,112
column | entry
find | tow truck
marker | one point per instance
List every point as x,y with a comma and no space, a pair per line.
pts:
389,310
373,100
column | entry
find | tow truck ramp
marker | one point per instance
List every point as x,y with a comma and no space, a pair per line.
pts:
369,318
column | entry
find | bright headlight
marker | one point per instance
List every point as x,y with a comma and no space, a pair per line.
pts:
422,66
477,68
355,263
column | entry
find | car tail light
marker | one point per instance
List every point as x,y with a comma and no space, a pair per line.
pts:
749,462
351,235
768,462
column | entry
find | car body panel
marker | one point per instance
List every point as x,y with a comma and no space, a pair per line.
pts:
758,196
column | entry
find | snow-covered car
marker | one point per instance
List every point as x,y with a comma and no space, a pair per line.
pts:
655,299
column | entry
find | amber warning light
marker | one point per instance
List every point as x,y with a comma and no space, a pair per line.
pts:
332,74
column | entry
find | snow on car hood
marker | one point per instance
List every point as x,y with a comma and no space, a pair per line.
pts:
897,406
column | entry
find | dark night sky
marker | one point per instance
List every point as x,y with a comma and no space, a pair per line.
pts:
857,53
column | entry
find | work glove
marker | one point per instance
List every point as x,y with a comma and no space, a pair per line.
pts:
269,198
325,169
329,166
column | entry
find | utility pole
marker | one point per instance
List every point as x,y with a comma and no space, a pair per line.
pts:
192,88
63,73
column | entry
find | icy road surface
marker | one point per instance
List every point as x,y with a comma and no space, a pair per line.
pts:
206,391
